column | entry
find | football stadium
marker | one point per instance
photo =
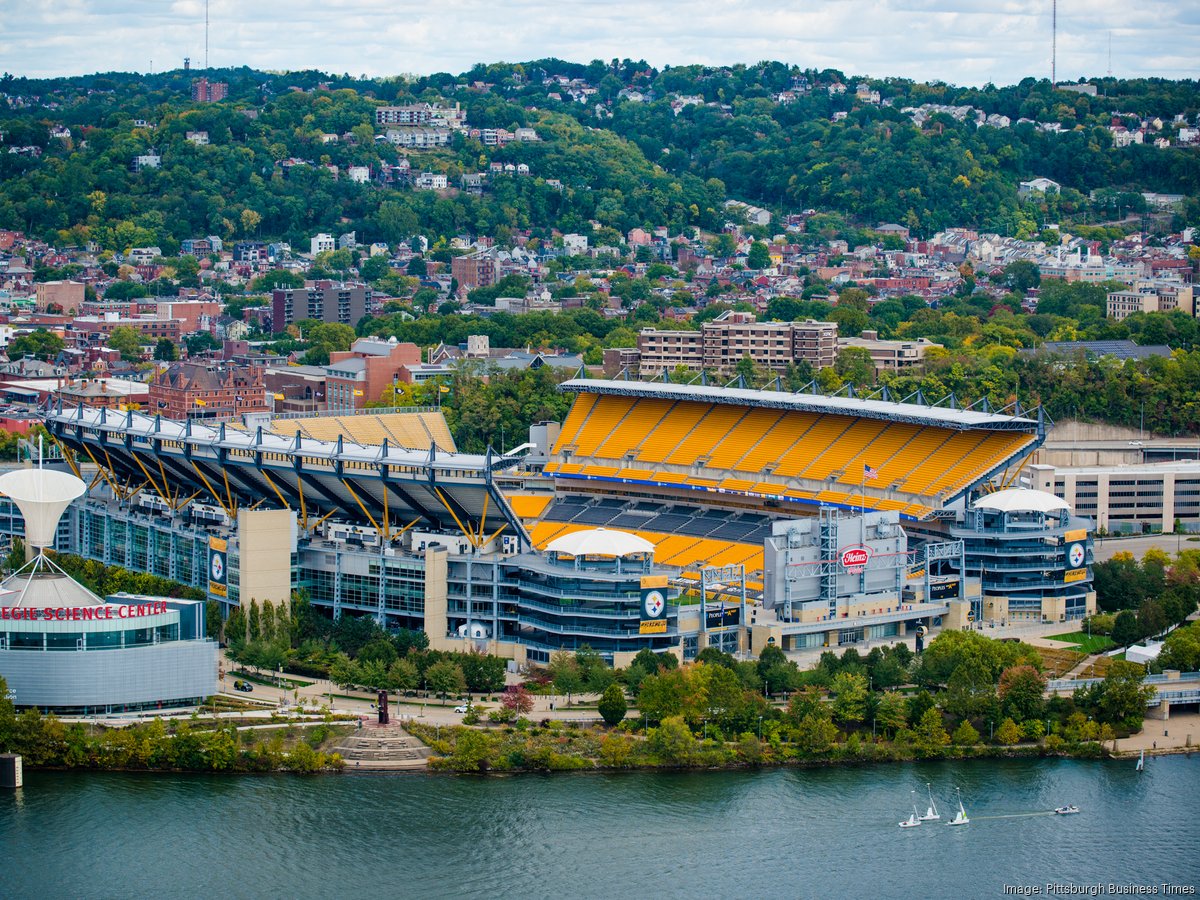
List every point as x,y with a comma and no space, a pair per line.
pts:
662,516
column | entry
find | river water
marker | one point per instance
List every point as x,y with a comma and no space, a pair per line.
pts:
774,833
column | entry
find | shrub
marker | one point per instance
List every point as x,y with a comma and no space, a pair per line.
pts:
612,705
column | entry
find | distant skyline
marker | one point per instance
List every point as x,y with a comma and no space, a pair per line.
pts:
965,42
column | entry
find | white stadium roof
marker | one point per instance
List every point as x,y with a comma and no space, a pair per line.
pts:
1022,500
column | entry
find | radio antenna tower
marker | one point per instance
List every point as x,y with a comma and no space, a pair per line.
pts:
1110,54
206,35
1053,44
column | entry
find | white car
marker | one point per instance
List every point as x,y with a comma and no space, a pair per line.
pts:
461,709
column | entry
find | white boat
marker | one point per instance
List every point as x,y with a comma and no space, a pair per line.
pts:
931,814
960,817
1067,810
912,821
1141,764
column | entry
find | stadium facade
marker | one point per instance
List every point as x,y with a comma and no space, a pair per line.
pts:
797,520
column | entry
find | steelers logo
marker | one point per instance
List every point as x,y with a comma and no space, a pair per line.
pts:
654,604
1075,556
218,567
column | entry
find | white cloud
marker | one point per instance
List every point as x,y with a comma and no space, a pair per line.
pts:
965,42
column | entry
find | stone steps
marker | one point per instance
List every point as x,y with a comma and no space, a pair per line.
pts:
383,747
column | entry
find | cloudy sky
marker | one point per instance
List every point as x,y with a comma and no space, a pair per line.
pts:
959,41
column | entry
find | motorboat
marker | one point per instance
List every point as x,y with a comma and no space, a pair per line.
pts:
1066,810
931,814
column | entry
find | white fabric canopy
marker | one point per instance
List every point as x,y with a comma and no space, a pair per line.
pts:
1021,500
600,542
42,495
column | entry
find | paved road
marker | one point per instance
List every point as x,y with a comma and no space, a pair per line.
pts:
1107,548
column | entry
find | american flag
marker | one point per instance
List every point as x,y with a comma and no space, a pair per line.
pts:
869,474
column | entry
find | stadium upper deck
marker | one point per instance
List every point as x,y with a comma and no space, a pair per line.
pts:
798,450
389,486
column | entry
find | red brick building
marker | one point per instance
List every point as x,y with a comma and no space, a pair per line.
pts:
207,390
205,91
473,271
361,374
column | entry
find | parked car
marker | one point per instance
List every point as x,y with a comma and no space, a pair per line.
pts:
244,686
462,709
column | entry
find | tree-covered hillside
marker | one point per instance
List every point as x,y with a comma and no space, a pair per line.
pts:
627,150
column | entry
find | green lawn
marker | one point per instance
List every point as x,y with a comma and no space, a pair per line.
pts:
1097,643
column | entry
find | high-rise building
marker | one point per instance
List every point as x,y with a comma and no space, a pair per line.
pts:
205,91
325,301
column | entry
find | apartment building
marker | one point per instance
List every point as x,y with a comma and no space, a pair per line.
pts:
473,271
325,301
722,343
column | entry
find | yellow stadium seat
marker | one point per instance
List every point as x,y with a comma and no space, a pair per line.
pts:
711,429
776,442
529,506
845,447
605,416
676,425
575,418
748,432
633,429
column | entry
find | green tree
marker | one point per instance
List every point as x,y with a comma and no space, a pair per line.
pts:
816,732
1123,695
39,344
612,706
402,676
965,734
759,256
1021,693
472,750
1021,275
127,341
165,350
891,714
850,697
931,733
1125,628
446,677
565,672
1008,733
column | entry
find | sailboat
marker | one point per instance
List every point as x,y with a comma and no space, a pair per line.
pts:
931,815
960,817
1141,763
912,821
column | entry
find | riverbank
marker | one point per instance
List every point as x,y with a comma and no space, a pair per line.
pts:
179,745
671,746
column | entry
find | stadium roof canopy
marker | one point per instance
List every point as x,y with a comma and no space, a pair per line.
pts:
600,542
1021,500
886,410
383,485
